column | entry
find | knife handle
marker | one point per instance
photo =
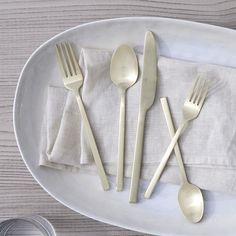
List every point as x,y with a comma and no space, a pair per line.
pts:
136,170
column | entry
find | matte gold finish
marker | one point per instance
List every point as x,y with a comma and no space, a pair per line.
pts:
73,80
148,92
124,73
191,110
190,196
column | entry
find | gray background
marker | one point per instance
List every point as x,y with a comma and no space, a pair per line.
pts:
25,25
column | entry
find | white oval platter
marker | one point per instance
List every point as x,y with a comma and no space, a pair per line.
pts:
82,192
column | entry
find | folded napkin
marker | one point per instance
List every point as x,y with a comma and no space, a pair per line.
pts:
208,146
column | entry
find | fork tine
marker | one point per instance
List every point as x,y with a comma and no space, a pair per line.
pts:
77,69
200,93
203,96
64,59
69,61
60,60
197,91
193,89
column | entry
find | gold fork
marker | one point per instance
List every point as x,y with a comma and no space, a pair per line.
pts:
73,80
191,110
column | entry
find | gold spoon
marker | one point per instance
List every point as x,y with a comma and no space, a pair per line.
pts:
124,73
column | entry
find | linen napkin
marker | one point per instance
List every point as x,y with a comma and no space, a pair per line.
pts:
208,145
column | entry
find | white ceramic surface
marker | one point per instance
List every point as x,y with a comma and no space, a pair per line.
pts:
160,215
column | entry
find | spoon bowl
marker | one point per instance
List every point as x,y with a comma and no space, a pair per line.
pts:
124,67
191,202
124,73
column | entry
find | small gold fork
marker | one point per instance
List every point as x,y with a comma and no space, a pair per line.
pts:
73,80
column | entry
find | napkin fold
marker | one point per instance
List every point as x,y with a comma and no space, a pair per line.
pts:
208,145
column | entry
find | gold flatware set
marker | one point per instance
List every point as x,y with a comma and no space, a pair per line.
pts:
124,73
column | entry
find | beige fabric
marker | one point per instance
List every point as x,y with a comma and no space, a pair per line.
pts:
208,145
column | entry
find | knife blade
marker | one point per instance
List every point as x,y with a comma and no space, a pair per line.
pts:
149,74
147,97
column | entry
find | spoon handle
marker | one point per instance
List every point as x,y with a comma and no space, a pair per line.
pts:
121,147
171,128
137,158
164,160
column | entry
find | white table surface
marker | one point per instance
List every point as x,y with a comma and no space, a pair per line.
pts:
24,25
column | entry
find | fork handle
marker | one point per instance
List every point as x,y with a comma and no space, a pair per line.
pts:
92,143
164,160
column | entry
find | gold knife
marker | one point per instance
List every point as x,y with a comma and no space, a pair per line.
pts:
147,97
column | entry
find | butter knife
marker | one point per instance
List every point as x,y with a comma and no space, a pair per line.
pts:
147,97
